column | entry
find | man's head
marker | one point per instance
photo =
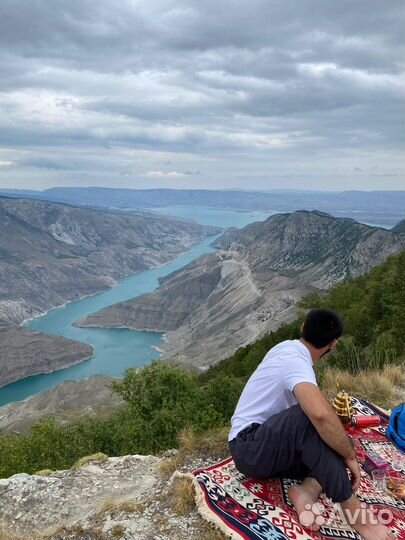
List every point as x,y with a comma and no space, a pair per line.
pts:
322,327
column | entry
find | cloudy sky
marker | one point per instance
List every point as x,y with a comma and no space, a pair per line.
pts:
263,94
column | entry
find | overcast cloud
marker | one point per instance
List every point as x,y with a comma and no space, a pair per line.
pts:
171,93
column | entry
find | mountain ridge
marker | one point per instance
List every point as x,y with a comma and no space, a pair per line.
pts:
57,252
252,284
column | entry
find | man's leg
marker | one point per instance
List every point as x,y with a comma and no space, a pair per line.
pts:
271,448
327,471
275,449
323,463
286,444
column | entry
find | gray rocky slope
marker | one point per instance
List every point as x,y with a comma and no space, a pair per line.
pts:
226,299
51,253
121,497
24,352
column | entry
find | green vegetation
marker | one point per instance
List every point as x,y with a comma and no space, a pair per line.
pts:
372,307
162,400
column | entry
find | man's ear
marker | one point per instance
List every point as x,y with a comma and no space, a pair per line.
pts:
302,327
333,344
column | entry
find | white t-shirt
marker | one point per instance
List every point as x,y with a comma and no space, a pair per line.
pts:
270,388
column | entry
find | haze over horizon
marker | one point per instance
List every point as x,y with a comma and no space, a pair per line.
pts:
175,94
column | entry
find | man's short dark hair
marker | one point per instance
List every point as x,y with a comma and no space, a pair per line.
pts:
321,327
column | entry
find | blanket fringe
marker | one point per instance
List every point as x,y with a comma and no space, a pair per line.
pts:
202,507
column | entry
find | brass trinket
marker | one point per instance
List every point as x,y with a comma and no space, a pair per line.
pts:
343,407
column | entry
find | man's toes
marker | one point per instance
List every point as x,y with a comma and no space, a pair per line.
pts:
320,520
307,518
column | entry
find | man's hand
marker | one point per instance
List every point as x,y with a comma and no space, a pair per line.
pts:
353,465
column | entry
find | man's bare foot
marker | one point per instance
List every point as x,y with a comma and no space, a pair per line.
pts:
364,521
304,498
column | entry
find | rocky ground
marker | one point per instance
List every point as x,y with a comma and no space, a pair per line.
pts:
130,497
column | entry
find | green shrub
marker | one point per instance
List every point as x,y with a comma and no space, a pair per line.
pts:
372,307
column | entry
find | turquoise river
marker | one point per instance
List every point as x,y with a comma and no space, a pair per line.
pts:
117,349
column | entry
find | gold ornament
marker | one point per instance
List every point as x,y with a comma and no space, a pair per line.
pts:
343,407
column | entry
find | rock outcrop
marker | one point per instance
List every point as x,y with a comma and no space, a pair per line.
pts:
252,285
123,497
35,504
168,308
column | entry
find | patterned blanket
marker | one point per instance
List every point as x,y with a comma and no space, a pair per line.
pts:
245,508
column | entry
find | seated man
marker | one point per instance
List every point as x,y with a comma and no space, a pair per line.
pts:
284,426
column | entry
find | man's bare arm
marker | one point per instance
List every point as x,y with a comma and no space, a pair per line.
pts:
323,418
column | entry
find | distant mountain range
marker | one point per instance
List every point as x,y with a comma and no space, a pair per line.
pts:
375,207
51,253
227,299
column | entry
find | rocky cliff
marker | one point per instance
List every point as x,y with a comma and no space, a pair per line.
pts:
24,352
179,296
252,284
51,253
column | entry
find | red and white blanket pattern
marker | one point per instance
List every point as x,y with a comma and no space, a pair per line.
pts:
245,508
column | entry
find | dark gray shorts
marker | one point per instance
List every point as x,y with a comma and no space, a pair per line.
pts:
287,445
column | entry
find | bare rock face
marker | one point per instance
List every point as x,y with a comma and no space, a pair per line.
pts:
123,497
312,246
228,299
168,308
24,352
51,253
